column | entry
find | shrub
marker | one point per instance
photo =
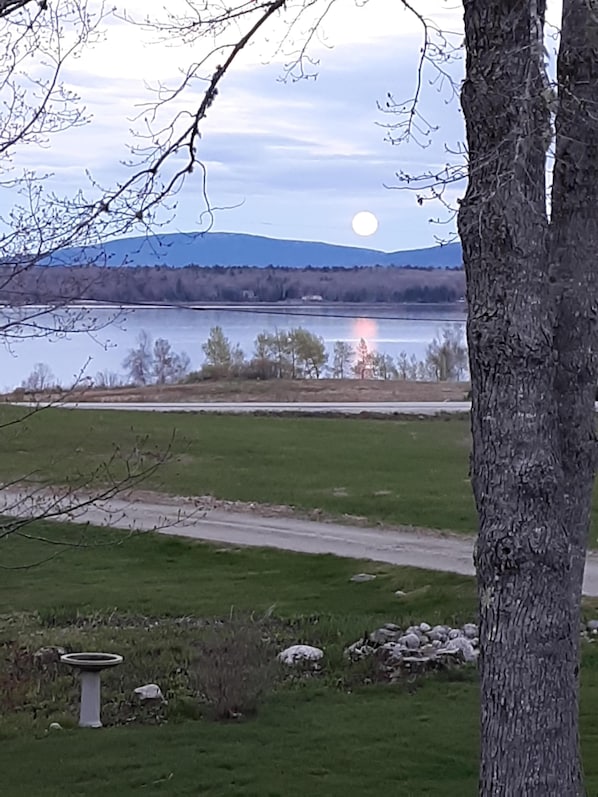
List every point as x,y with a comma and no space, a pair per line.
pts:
234,665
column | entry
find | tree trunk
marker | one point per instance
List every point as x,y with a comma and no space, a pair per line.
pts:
528,664
574,274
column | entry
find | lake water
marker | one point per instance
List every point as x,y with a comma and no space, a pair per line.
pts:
388,329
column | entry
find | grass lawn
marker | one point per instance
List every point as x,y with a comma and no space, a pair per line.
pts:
411,472
321,735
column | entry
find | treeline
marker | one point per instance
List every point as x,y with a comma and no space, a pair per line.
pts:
284,354
192,284
287,354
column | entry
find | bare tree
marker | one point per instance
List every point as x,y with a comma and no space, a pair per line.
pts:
383,366
168,366
342,354
407,367
107,379
41,378
446,356
45,226
139,362
362,367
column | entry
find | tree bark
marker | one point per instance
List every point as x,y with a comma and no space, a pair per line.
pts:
528,665
574,275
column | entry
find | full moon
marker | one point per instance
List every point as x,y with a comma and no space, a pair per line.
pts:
364,223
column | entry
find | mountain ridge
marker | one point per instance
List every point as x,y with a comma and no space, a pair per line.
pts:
177,250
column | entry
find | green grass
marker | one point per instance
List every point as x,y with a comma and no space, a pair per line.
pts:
169,576
317,736
310,743
412,472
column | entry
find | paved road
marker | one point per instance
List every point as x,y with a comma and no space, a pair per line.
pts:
448,553
307,407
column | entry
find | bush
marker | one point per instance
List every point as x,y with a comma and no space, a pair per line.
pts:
209,372
234,665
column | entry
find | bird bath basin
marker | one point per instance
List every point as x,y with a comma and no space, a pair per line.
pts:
90,665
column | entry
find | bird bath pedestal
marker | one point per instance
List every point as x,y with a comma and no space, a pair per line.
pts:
90,665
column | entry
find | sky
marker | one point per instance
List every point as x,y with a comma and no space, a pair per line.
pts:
288,159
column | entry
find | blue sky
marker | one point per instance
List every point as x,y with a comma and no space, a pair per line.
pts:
285,159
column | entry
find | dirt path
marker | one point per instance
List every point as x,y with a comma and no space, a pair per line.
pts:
185,518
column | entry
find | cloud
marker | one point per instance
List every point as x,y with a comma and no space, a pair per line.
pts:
297,158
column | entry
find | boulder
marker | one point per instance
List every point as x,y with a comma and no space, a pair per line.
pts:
149,692
439,632
359,650
470,630
410,641
297,654
462,645
382,635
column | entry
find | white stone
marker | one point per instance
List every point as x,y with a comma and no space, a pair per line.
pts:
464,645
470,630
425,627
410,641
149,692
299,653
359,578
454,633
54,726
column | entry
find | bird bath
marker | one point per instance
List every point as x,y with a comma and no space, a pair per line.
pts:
90,665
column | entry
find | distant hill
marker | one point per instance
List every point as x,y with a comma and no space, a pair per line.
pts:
238,249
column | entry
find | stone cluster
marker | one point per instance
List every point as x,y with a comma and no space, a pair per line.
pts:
418,648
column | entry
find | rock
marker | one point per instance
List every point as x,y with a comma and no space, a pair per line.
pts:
392,626
470,630
462,645
436,636
439,632
425,628
454,633
49,655
360,578
382,635
360,650
392,649
410,641
54,726
592,626
297,654
149,692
